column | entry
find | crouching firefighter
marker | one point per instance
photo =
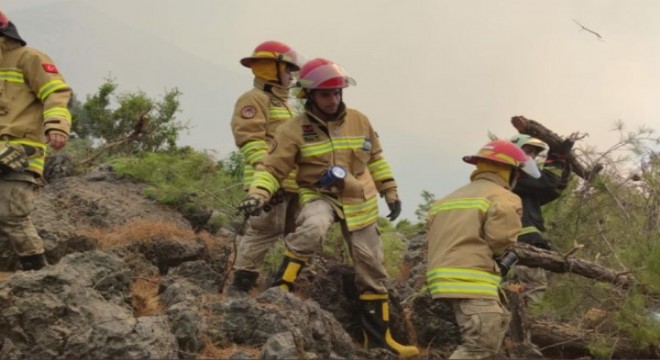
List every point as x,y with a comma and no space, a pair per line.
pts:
468,233
33,112
341,171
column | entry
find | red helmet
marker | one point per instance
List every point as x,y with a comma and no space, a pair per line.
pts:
274,50
4,20
508,153
323,74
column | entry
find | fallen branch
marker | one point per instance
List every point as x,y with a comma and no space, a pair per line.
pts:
534,128
559,263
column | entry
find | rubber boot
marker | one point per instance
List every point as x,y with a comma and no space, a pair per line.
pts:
244,281
375,324
288,272
33,262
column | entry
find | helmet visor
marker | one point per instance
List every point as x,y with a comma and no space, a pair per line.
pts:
326,76
530,168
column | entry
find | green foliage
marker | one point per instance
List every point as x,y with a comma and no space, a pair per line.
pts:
408,229
113,124
233,165
183,180
423,208
394,249
615,217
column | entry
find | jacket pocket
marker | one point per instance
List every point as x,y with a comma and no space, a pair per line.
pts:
359,161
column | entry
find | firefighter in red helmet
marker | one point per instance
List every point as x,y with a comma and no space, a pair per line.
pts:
257,115
341,170
468,232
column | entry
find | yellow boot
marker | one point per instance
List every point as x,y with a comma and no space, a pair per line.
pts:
288,272
375,324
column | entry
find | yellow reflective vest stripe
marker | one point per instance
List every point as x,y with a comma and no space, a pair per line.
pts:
447,280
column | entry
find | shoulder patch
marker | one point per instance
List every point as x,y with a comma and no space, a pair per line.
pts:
248,112
50,68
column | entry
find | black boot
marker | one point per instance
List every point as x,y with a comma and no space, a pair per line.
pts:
375,324
33,262
244,281
288,272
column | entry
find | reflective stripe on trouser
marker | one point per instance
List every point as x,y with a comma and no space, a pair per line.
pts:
364,245
483,324
15,223
263,231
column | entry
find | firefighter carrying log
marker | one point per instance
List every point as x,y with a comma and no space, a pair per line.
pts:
534,193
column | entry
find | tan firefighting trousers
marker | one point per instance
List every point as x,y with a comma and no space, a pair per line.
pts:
483,324
264,231
365,245
534,280
17,198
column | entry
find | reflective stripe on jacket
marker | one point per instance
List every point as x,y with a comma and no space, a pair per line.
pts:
33,99
314,146
257,114
465,230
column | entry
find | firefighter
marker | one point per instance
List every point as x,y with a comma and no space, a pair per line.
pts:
33,113
257,114
341,171
534,193
468,233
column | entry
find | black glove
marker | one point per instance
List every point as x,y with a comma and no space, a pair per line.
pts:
277,198
251,205
395,209
535,239
505,262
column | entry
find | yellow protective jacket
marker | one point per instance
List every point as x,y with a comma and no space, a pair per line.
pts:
314,146
33,99
465,230
257,114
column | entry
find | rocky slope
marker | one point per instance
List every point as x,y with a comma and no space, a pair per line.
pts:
131,279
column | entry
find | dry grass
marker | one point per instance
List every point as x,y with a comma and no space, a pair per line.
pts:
144,295
137,231
5,275
210,351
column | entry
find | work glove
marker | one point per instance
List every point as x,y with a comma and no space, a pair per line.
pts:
536,241
277,198
505,262
12,158
393,203
251,205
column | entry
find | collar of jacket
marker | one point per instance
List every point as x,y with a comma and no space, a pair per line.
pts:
11,32
7,44
271,87
341,114
490,176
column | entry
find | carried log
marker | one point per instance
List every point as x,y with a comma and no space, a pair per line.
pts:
534,128
532,256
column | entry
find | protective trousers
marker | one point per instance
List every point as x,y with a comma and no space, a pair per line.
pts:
365,245
534,280
263,231
483,324
17,204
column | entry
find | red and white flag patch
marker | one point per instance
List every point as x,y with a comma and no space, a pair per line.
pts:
50,68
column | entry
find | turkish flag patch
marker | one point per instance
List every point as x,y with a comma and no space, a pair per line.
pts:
50,68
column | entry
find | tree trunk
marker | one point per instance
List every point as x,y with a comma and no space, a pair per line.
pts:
537,130
552,261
